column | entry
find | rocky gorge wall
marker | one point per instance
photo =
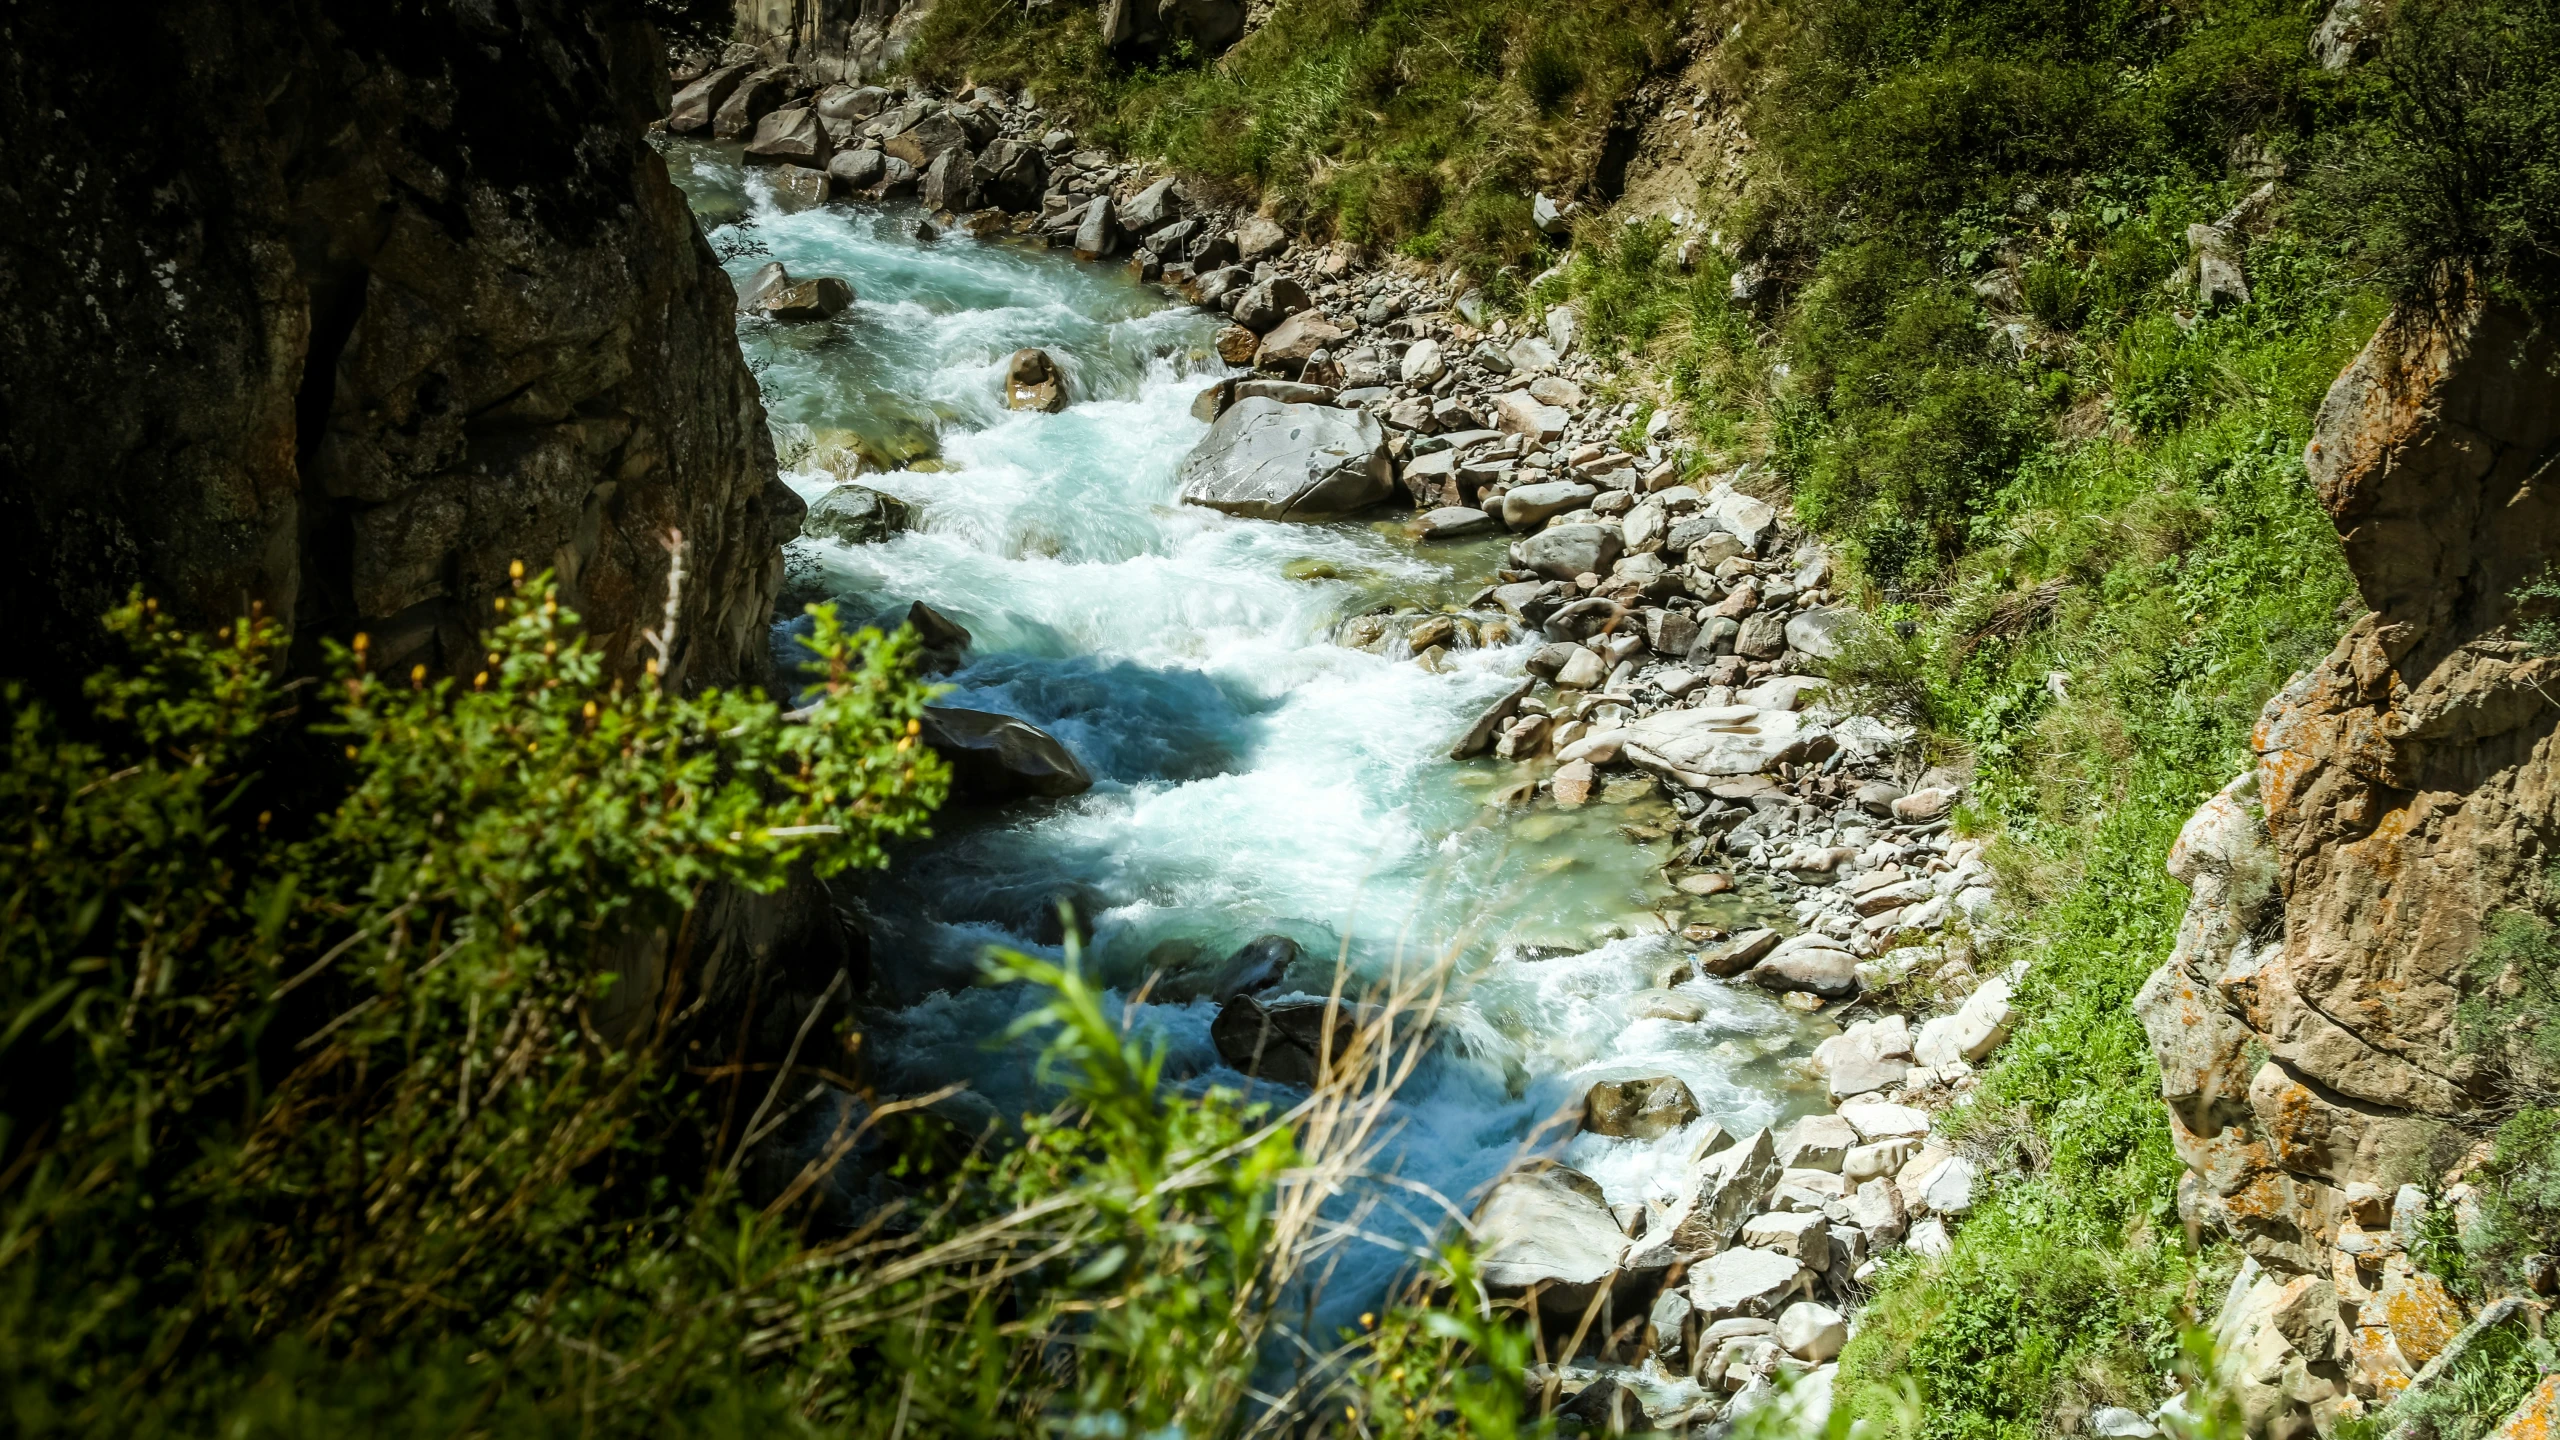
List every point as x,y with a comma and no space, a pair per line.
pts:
2404,795
340,308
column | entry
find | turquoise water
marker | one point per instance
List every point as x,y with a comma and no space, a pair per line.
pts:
1252,776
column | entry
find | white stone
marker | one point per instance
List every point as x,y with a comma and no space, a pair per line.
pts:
1745,1282
1804,1237
1422,363
1876,1120
1812,1331
1816,1142
1948,1189
1929,1238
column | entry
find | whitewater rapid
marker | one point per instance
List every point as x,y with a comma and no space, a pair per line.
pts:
1251,776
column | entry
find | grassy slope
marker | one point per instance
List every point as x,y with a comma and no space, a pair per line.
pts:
2095,552
1421,124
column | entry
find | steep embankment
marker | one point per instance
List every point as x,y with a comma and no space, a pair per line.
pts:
339,310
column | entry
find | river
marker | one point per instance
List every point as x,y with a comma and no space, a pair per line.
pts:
1252,775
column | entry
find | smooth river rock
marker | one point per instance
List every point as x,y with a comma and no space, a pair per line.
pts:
1269,461
997,757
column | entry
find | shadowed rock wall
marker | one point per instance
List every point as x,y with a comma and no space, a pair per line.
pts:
339,306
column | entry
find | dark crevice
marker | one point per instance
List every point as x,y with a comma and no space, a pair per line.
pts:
325,605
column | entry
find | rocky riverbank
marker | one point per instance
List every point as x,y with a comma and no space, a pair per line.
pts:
1670,628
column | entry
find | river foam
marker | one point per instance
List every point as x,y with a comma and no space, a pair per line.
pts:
1252,776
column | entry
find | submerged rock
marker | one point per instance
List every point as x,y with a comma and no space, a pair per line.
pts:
996,758
1270,461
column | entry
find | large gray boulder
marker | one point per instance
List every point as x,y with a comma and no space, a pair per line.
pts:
1819,633
1264,305
1098,234
1011,175
856,515
926,140
997,757
790,137
821,298
698,102
947,182
1548,1226
1270,461
1562,552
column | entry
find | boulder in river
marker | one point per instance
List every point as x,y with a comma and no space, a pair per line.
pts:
1235,344
1696,747
856,515
927,140
947,184
1647,1108
790,137
1270,461
755,97
1548,1226
1456,522
1286,1040
1032,381
852,171
768,277
1259,965
822,298
997,757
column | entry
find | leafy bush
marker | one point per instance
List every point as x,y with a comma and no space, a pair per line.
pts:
2455,158
1421,124
325,1106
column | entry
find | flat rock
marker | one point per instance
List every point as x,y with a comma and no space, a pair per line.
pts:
1516,412
1739,953
1745,1282
1457,522
1696,747
1831,974
1526,507
1546,1224
1270,461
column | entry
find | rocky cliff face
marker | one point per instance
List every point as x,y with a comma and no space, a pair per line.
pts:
2405,792
338,308
851,40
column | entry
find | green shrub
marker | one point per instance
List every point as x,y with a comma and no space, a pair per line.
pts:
314,1117
2454,158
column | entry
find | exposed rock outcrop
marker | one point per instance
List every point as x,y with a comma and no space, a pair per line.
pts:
2405,792
337,309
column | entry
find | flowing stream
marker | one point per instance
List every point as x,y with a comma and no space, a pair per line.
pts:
1251,775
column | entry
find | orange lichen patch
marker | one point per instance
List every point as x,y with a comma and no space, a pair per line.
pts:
2423,1315
2533,1419
2379,1366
